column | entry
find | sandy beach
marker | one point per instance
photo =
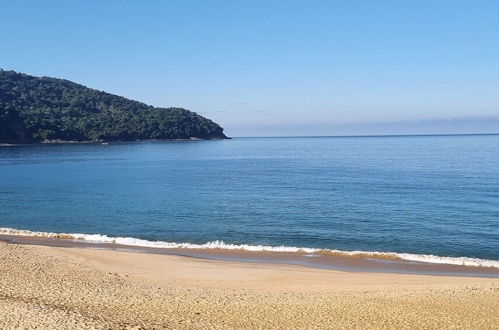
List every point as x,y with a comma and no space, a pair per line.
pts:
60,287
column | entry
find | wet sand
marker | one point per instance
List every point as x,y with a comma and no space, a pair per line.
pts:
61,287
351,263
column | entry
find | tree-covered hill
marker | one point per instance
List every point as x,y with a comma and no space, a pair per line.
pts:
34,109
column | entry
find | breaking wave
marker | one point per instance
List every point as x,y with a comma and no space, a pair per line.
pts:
131,241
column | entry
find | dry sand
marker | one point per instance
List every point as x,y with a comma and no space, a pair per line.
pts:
64,288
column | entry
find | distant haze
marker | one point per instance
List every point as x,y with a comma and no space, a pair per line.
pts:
275,67
463,125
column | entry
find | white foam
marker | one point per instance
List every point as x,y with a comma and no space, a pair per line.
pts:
131,241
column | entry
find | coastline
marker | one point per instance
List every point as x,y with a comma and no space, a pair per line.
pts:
61,287
350,261
13,144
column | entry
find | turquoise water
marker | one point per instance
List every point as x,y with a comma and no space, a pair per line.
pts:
434,195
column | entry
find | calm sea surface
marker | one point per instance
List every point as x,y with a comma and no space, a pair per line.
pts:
426,195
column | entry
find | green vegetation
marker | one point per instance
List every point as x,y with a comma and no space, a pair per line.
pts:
34,109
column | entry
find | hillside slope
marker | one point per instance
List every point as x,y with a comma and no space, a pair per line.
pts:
34,109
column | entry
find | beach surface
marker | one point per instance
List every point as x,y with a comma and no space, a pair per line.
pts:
62,287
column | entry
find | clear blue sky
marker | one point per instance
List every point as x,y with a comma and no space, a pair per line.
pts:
275,67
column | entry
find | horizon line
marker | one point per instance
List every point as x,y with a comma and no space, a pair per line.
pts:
367,135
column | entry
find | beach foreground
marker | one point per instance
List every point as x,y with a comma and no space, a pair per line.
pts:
56,287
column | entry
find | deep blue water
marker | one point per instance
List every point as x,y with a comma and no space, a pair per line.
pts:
418,194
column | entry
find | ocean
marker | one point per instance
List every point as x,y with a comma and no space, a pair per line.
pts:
425,198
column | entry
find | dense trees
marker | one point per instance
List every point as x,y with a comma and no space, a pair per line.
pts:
37,109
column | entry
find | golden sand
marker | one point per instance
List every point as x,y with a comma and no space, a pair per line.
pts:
61,288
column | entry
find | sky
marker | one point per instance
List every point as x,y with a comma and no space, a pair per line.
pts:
275,68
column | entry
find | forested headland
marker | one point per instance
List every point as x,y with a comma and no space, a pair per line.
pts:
42,109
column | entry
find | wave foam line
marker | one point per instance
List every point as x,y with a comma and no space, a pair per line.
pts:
131,241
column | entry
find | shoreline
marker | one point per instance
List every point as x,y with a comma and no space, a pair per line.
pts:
362,262
61,287
65,142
